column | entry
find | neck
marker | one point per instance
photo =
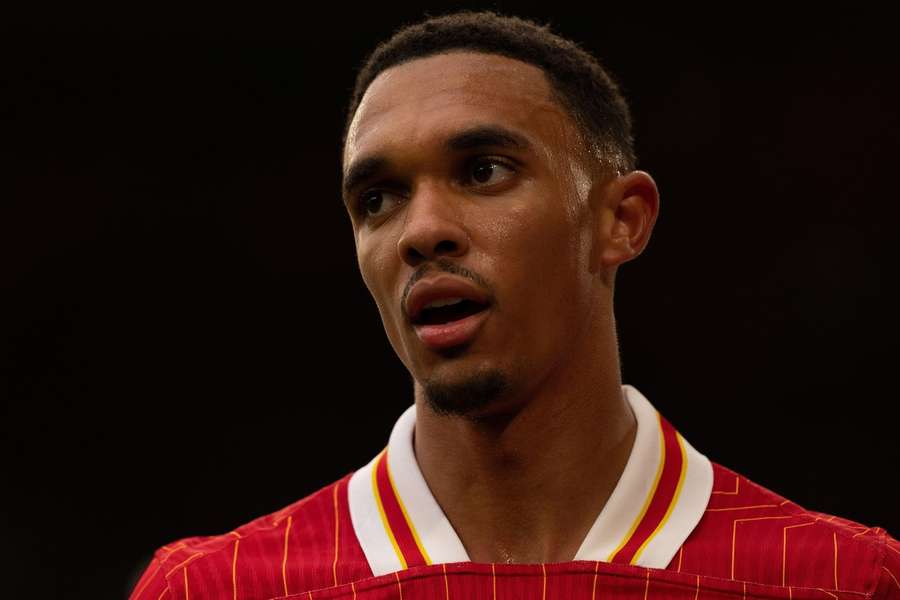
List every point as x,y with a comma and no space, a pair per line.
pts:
527,485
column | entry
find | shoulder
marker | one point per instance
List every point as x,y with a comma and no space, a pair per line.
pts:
889,576
306,545
750,533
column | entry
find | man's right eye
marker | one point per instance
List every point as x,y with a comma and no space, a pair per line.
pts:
372,203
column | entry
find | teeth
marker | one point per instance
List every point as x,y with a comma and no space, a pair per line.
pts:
445,302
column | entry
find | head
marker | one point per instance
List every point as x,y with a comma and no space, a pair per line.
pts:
578,82
487,159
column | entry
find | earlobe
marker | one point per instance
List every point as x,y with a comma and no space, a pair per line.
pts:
627,218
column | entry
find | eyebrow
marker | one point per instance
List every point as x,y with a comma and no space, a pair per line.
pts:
486,135
479,136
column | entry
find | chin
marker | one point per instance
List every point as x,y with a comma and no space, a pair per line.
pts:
472,396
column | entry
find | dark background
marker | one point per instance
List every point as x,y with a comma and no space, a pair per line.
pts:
187,344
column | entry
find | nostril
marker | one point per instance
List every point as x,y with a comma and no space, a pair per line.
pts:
414,255
418,247
445,247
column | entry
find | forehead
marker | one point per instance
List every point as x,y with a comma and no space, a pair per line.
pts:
427,99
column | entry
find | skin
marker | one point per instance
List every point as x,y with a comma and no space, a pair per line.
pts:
545,228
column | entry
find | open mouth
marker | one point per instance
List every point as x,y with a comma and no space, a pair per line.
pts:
451,324
447,311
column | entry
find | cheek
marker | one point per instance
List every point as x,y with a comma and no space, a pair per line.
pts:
541,261
541,244
374,259
373,266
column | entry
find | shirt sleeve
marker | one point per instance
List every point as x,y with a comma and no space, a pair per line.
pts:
152,585
888,587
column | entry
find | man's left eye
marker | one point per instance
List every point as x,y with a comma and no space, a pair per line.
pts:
486,171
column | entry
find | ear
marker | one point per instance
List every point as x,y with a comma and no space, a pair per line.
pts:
626,215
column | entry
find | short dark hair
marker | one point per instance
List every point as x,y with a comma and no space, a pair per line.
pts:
579,81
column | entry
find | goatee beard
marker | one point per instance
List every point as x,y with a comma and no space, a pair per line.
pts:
468,398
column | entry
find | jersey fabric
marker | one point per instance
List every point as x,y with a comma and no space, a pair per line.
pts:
676,526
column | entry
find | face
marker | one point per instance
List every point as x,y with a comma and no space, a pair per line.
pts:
463,179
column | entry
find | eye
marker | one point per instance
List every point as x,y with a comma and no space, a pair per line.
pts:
373,203
489,171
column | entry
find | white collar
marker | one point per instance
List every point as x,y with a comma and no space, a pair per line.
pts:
658,500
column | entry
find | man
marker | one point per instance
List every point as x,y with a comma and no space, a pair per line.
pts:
489,177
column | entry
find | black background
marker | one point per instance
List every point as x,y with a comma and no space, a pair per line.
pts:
186,341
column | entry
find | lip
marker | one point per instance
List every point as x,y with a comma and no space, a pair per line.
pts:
441,287
440,336
455,333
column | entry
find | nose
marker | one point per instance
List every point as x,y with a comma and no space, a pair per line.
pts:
433,227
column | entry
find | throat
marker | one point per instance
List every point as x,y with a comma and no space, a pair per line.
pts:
530,492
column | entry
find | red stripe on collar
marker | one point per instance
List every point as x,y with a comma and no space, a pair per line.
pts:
395,518
663,497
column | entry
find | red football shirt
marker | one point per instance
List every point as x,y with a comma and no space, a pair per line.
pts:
675,526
